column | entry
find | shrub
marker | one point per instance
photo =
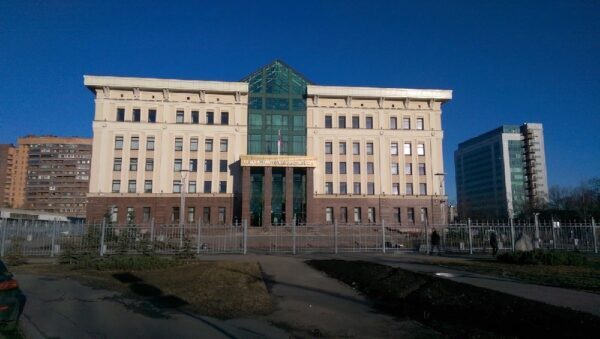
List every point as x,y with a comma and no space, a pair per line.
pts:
544,257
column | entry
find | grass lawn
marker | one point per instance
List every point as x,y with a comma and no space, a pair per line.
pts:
575,277
219,289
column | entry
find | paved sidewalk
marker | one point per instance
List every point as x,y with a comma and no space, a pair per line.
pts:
573,299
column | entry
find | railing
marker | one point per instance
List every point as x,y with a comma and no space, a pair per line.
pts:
44,238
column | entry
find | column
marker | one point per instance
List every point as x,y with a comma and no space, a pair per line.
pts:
311,216
289,195
246,194
267,194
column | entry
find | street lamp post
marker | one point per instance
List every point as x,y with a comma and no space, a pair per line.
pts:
182,206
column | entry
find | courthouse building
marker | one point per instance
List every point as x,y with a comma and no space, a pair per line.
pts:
272,148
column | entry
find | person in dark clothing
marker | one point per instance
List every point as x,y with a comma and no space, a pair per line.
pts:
494,243
435,242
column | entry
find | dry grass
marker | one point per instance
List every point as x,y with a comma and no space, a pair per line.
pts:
219,289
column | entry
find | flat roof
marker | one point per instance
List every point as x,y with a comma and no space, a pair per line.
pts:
379,92
95,81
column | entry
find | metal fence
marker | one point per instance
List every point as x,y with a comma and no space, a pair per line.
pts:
43,238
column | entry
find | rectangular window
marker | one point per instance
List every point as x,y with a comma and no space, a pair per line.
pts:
397,215
356,167
193,165
356,148
370,168
223,166
370,188
394,148
120,114
175,215
407,148
191,214
116,186
371,215
135,143
421,169
357,215
137,115
118,142
176,186
342,148
395,169
195,117
223,145
193,144
423,189
146,214
369,122
117,164
148,186
221,215
179,117
328,167
420,149
396,188
423,214
210,118
149,165
178,144
328,147
328,123
342,121
393,123
408,168
208,146
406,123
206,215
357,188
420,124
224,118
409,188
208,165
192,186
114,214
207,186
343,167
133,164
222,186
410,215
369,148
355,122
131,186
177,166
329,215
343,188
343,215
152,115
150,144
329,187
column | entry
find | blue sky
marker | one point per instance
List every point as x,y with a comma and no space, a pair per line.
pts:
508,62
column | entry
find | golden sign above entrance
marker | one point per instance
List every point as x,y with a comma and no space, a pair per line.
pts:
277,161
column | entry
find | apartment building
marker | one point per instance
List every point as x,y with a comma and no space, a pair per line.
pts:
272,148
501,173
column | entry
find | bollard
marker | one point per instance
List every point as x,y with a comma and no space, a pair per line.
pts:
335,237
594,235
470,236
245,224
383,235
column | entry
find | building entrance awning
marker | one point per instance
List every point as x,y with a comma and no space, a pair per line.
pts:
277,161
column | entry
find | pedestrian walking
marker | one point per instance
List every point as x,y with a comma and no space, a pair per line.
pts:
435,242
494,242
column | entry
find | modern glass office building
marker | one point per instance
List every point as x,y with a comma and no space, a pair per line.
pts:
271,149
492,172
